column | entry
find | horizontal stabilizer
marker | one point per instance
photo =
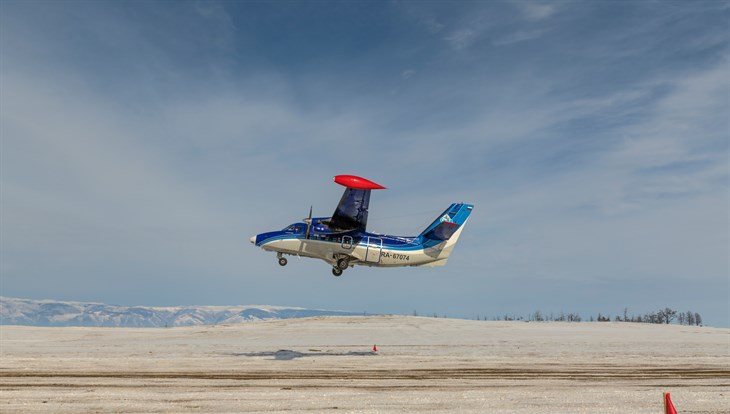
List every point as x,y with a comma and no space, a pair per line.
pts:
443,231
448,222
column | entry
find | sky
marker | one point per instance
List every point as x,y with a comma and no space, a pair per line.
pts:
142,143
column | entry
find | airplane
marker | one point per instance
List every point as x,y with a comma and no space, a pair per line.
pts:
343,240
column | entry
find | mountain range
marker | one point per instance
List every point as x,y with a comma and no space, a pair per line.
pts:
16,311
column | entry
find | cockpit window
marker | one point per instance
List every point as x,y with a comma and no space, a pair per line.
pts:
295,228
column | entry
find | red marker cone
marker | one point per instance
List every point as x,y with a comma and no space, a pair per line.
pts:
375,349
668,406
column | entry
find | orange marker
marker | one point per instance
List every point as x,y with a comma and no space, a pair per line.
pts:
668,406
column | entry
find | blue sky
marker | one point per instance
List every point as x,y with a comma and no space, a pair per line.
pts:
143,143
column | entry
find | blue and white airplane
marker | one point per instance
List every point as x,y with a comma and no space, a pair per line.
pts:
342,240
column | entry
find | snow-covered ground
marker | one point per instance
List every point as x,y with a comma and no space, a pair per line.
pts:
327,364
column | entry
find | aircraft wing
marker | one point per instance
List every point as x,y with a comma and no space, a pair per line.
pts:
352,211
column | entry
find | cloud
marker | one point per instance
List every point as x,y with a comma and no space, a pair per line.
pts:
461,38
536,11
517,37
408,73
148,153
678,147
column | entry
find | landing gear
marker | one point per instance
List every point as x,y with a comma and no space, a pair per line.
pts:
343,263
282,259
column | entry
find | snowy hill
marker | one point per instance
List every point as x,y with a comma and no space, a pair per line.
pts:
14,311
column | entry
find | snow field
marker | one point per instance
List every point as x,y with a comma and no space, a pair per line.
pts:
327,365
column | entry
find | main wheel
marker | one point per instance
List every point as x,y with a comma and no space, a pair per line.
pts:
282,261
336,271
343,263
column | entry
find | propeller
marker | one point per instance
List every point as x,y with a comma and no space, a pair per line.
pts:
309,223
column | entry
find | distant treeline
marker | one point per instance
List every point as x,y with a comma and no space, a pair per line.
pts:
665,316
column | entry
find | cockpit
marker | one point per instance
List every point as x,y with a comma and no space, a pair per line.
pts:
295,228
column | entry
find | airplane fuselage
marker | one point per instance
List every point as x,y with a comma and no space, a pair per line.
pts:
363,248
343,241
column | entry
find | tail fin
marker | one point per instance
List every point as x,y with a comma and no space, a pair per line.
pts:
441,236
444,227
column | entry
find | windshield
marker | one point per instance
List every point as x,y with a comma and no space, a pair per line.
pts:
295,228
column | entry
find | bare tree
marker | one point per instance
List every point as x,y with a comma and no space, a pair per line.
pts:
652,317
574,317
698,319
537,316
669,315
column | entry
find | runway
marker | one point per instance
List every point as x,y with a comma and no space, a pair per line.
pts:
326,365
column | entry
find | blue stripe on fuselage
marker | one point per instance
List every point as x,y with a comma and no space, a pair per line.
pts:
359,238
457,213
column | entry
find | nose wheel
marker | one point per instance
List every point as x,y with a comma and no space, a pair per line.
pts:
282,260
336,271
